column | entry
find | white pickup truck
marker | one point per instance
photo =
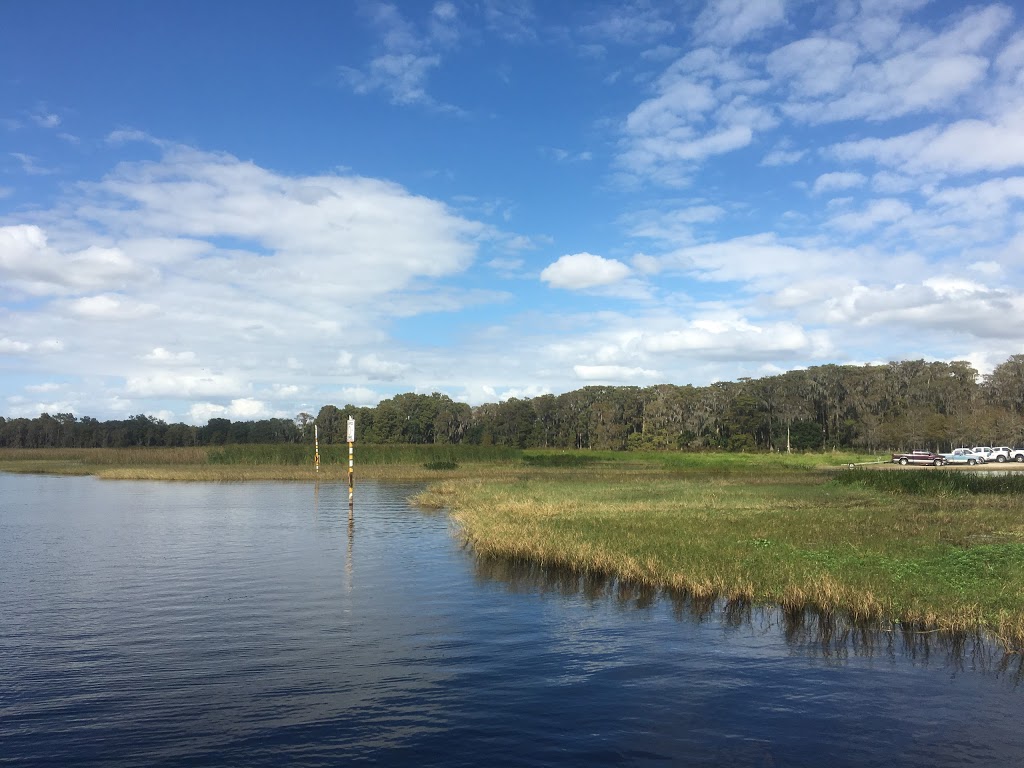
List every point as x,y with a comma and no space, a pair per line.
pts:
1017,454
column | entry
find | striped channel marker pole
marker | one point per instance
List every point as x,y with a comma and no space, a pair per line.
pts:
316,448
351,441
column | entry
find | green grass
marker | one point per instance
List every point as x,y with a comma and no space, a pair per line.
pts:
945,556
364,455
947,482
255,462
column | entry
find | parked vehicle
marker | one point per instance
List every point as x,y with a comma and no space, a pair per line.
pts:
1000,453
983,449
965,456
1017,454
919,457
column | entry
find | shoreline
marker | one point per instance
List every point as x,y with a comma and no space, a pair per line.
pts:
756,529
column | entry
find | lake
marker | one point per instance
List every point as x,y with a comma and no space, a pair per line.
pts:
256,624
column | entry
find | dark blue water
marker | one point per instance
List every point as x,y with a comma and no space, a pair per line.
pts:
252,624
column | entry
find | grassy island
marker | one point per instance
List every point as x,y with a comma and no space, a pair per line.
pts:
935,549
922,548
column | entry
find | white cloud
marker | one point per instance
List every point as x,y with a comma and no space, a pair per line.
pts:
30,166
197,278
704,105
731,337
161,355
580,271
13,346
814,66
832,79
29,264
408,56
247,409
125,135
966,146
50,345
185,385
378,369
614,373
506,266
402,75
46,120
943,303
779,157
110,307
951,287
729,22
356,396
884,211
629,24
200,413
838,180
761,261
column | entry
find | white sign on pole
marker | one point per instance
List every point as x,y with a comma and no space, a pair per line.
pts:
351,430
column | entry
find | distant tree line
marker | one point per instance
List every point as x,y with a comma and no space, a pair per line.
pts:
901,405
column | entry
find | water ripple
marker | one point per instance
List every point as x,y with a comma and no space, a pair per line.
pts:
257,624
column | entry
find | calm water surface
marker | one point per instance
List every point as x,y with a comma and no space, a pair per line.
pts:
253,624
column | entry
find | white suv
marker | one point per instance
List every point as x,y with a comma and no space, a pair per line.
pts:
1000,453
984,450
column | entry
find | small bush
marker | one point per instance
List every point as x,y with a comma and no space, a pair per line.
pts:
441,464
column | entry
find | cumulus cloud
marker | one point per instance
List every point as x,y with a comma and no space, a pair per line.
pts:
614,373
830,79
201,256
703,105
904,214
580,271
13,346
186,385
29,264
239,409
965,146
945,302
730,337
375,368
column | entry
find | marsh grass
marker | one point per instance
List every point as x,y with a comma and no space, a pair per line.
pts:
944,558
365,455
944,482
256,462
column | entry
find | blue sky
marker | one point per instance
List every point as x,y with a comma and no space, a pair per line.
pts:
252,210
